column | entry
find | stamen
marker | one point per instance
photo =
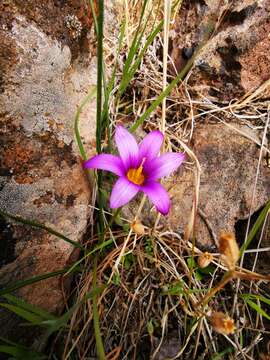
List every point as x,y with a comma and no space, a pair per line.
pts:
136,175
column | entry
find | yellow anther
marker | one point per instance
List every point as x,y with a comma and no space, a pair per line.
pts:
136,175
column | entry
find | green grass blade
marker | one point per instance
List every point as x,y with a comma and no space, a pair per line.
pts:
21,353
89,97
99,124
256,297
131,72
175,81
98,247
131,66
99,136
36,316
29,307
256,227
120,44
37,225
24,314
110,86
135,42
62,322
220,356
22,283
7,341
100,69
98,336
258,309
23,350
91,2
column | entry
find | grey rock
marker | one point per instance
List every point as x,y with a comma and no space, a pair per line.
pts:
235,60
46,72
228,160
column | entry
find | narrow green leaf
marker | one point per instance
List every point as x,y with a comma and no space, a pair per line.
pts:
257,308
89,97
19,284
150,327
131,66
135,42
37,225
101,246
29,307
32,318
131,72
256,227
220,356
91,2
21,353
175,289
7,341
257,297
175,81
191,263
110,86
53,323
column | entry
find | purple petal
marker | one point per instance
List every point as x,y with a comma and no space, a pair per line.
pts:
127,146
150,146
163,165
122,192
106,162
158,195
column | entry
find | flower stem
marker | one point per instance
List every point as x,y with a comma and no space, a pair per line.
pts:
99,129
99,343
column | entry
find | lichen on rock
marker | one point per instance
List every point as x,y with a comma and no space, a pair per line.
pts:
235,60
46,73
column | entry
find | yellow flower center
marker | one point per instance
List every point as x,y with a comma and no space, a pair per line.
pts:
136,175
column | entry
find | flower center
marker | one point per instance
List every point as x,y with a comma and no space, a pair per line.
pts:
136,175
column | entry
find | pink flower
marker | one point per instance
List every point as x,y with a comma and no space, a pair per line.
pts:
139,168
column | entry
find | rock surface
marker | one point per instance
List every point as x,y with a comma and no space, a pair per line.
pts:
236,59
46,70
228,160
